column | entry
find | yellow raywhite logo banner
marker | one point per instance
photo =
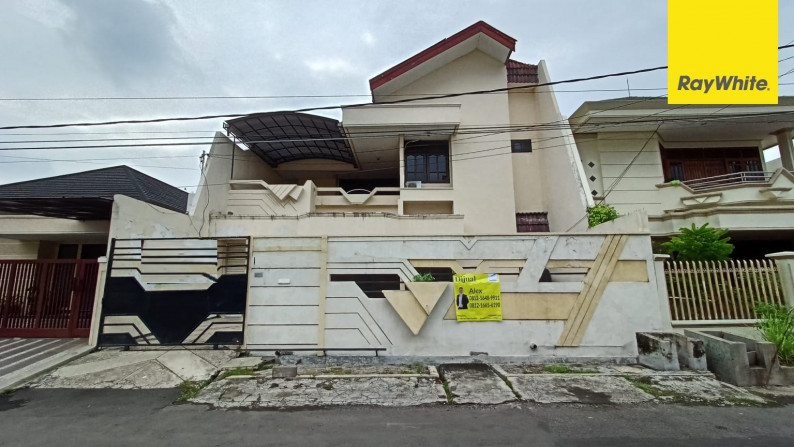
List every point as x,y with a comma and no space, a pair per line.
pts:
478,297
722,51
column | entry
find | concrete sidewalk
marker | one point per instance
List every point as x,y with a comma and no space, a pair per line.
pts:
468,384
24,358
221,379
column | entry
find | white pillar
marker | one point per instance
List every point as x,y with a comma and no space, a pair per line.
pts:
786,150
785,269
661,288
99,292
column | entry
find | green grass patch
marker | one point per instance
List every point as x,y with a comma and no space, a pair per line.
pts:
414,368
448,392
647,385
190,389
264,366
565,369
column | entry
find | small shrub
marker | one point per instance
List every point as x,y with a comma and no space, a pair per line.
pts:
700,244
600,214
776,326
675,182
424,277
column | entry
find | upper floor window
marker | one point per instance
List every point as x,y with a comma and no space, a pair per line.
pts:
519,146
427,161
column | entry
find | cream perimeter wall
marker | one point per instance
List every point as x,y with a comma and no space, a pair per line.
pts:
292,302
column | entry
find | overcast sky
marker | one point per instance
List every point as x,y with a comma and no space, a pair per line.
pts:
160,48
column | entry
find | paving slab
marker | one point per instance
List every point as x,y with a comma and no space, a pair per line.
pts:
475,384
263,392
576,388
117,369
700,389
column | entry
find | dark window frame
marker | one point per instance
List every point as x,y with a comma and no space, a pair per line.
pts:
521,146
420,164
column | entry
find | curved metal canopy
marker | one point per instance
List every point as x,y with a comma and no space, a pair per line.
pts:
280,137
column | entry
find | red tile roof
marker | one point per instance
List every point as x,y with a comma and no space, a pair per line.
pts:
444,45
521,73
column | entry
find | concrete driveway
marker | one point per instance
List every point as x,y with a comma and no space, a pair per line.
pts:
23,358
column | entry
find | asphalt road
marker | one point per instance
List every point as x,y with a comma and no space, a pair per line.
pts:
66,418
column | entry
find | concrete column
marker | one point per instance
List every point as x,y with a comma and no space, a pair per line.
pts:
785,269
99,292
786,149
661,289
402,173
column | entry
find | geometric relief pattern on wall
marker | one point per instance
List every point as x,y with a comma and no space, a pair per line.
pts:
595,283
350,319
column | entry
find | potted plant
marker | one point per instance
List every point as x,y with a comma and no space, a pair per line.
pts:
426,290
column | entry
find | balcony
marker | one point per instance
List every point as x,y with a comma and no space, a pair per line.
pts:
736,178
261,209
741,201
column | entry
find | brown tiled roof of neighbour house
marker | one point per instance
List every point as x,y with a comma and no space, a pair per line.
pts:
521,73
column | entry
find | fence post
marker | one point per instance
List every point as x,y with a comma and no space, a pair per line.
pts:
785,269
96,315
661,289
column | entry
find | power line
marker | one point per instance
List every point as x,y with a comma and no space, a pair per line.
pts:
308,109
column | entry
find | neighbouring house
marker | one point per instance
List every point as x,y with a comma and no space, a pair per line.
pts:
694,164
307,231
52,230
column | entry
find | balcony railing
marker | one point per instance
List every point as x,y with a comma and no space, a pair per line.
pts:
737,178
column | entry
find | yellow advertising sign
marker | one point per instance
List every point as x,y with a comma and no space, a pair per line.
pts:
722,52
478,297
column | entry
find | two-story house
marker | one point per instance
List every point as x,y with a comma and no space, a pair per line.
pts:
328,222
685,164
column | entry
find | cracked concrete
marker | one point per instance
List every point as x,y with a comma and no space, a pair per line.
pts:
265,392
476,384
574,388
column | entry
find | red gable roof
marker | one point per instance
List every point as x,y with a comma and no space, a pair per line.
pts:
444,45
521,73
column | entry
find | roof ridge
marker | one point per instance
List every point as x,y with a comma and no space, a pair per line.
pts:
63,175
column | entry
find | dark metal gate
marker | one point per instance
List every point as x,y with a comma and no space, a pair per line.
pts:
175,292
47,297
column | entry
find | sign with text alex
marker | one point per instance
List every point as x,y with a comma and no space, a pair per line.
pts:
722,51
478,297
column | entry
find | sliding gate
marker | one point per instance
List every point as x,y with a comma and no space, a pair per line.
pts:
175,292
47,297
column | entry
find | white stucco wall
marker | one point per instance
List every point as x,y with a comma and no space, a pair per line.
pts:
292,303
481,168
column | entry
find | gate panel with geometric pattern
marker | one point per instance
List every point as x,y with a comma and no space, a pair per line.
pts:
175,292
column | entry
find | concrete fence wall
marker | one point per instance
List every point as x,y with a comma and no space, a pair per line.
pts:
293,303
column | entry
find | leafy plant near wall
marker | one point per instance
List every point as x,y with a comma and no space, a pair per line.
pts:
776,326
424,277
600,214
700,244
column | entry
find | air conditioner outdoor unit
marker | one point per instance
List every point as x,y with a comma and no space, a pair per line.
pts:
414,184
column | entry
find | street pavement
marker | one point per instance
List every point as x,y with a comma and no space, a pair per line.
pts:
101,417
